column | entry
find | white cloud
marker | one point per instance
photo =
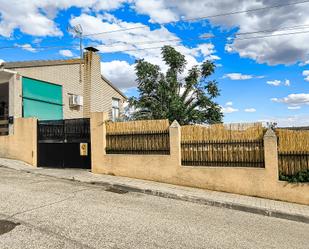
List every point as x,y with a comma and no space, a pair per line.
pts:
120,73
238,76
294,107
229,48
207,50
156,9
306,74
251,110
28,16
274,50
304,63
279,82
109,4
28,47
229,109
294,99
66,53
37,40
37,17
274,82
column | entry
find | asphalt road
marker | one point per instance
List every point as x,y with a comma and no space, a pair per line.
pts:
53,213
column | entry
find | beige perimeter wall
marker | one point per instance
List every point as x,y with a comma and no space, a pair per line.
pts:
22,144
261,182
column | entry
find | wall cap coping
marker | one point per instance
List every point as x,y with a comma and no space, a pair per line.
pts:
175,124
270,133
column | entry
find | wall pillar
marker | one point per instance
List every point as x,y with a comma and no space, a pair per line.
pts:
271,154
34,125
15,99
98,139
175,143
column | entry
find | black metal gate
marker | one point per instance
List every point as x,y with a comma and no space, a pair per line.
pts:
64,143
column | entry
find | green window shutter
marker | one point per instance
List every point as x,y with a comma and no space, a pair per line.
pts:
42,100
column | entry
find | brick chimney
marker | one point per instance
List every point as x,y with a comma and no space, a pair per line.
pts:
92,77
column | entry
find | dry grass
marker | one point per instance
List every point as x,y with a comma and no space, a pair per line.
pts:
142,126
290,140
245,131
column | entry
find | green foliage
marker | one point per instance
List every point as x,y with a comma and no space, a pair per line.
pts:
166,96
302,176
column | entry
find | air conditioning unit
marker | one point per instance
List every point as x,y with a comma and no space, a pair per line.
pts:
76,100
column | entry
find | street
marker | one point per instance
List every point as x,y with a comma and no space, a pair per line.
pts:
54,213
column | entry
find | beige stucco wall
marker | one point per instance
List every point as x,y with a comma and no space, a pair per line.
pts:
247,181
22,143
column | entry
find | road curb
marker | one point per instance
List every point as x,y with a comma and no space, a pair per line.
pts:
208,202
188,198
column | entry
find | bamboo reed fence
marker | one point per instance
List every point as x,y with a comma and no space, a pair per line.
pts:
138,137
293,140
222,132
233,145
293,151
139,126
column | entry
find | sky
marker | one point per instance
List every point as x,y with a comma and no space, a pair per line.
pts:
260,47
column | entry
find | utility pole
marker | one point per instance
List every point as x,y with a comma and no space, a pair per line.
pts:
77,30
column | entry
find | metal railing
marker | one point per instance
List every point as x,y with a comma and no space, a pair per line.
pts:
68,130
235,153
293,162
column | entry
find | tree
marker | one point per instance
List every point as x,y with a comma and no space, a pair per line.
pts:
167,96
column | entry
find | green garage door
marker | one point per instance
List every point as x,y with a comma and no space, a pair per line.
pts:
42,100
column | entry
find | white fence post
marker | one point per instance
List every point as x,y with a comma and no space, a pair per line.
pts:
175,142
271,153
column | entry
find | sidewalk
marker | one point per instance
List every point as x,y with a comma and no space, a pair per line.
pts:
255,205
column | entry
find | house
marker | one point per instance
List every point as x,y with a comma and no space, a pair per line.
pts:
58,89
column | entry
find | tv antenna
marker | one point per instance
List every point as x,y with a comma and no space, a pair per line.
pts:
77,31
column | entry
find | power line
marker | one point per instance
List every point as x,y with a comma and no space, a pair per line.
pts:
195,39
120,43
274,30
248,11
274,35
236,39
201,18
192,19
180,39
140,49
37,47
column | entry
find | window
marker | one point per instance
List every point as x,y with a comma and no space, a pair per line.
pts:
115,109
